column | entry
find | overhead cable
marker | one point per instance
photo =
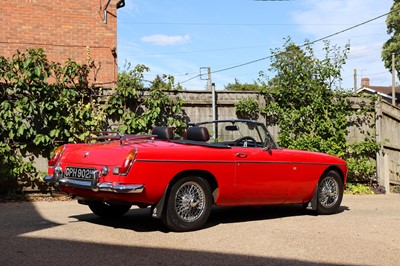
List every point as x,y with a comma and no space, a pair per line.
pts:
306,43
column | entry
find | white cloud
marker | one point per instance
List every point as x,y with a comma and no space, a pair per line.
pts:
325,17
164,40
321,18
362,51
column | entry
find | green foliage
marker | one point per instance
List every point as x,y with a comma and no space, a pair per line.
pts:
247,109
165,82
135,110
35,113
237,86
360,160
44,104
393,44
302,100
358,189
312,112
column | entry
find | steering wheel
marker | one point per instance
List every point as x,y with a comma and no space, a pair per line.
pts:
244,140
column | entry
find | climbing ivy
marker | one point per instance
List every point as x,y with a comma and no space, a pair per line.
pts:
136,110
44,104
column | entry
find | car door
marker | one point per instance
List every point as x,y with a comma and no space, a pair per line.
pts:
262,175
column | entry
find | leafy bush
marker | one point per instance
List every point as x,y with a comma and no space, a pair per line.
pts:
135,110
360,160
358,189
45,104
247,109
304,98
237,86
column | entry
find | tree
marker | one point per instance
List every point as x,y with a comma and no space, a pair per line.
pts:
165,82
237,86
305,100
393,44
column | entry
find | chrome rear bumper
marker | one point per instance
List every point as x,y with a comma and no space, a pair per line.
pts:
92,184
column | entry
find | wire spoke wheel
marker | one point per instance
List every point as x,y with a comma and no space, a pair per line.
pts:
188,204
189,201
328,192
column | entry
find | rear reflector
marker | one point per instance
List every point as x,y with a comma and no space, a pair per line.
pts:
56,156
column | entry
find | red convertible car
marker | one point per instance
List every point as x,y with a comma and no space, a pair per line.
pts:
226,163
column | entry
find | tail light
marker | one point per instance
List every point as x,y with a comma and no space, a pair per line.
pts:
56,156
127,164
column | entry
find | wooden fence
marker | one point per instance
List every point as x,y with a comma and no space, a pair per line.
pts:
388,133
384,123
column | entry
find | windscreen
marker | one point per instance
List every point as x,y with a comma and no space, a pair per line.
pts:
231,131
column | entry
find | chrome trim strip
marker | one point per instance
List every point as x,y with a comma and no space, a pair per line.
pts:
119,188
75,183
102,187
94,185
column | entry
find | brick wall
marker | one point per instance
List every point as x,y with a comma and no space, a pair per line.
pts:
64,29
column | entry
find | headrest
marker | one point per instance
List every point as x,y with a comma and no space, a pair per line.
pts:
163,132
197,133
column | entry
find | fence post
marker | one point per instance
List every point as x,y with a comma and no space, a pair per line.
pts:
386,174
380,165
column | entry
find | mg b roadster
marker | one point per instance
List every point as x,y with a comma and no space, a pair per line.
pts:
226,163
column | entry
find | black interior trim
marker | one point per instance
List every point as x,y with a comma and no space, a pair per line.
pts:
201,143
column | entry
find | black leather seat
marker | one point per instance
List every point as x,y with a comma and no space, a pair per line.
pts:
163,132
197,134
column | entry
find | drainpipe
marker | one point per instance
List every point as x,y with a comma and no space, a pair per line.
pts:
105,11
120,4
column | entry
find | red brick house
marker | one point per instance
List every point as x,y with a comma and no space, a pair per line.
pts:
75,29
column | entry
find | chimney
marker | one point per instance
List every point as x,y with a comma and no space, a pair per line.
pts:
365,82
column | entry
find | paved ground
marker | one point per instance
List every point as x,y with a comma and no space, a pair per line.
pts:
365,232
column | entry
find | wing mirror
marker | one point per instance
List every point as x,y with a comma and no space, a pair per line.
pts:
267,145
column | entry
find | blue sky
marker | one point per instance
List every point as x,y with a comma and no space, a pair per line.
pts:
178,37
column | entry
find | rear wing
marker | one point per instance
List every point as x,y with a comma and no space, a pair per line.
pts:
113,135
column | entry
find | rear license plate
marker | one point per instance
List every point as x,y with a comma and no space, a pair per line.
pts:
80,173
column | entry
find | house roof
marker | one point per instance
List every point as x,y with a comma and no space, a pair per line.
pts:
385,89
373,91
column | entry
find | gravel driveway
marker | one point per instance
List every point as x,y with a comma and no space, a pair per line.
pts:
365,232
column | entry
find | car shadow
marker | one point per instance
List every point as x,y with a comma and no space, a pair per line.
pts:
136,219
140,220
223,215
19,219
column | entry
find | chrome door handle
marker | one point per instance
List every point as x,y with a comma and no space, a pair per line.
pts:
241,155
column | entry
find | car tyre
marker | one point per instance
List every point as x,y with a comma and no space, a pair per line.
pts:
188,204
330,193
108,210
